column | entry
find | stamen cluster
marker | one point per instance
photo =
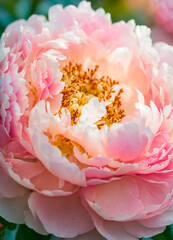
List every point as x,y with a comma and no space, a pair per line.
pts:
81,86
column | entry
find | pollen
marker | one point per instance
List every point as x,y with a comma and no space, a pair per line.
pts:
83,85
33,94
66,146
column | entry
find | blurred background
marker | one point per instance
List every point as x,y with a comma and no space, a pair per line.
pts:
140,10
144,12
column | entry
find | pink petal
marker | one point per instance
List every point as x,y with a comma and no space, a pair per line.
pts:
161,220
33,222
12,209
48,154
119,144
138,230
101,199
111,230
4,138
61,216
8,187
146,198
92,235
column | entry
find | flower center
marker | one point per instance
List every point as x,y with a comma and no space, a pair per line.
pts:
81,86
66,146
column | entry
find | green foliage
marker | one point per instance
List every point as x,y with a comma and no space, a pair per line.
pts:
22,232
26,233
16,9
6,226
166,235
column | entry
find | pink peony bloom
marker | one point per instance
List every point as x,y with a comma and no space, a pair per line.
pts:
164,14
86,126
158,34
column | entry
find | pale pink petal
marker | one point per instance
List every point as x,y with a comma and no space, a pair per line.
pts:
144,198
92,235
51,156
164,14
159,35
8,187
138,230
36,177
92,112
111,230
106,182
33,222
118,142
4,138
12,209
81,15
61,216
161,220
116,191
165,52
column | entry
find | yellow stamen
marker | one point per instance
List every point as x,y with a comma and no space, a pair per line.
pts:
81,86
66,146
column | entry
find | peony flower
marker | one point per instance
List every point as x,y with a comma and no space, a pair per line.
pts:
159,35
86,137
164,14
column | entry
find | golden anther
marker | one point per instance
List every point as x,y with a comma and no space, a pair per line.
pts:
81,86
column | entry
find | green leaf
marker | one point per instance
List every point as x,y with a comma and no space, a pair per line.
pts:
26,233
166,235
2,231
7,225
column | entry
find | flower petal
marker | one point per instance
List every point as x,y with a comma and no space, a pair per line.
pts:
61,216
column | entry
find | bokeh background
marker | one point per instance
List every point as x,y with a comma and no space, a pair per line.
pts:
142,11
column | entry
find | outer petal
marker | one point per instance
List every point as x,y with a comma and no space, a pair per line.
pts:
139,231
92,235
111,230
123,191
32,221
164,14
81,14
38,178
61,216
8,187
162,220
146,198
12,209
13,197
